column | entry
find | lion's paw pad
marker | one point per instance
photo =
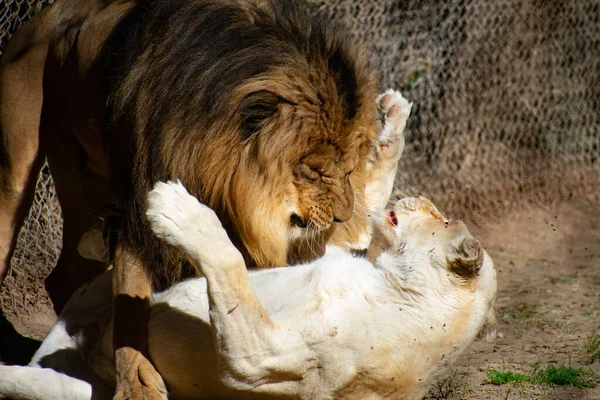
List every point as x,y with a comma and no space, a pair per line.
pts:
393,110
177,217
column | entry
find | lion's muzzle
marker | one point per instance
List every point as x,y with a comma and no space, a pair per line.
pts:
296,220
344,204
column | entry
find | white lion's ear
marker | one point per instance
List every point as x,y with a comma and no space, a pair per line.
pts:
468,259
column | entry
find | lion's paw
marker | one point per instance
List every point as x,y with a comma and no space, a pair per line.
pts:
393,110
180,219
138,380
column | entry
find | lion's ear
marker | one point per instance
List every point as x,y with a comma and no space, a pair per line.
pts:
256,108
468,260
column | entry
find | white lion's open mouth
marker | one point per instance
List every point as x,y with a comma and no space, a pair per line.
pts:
391,216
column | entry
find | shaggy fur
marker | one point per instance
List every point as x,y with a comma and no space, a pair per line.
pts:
120,95
282,91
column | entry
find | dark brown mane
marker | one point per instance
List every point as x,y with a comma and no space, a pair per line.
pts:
202,91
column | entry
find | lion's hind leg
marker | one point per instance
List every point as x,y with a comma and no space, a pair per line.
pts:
137,378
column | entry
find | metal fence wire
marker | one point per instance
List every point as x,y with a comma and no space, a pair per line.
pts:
506,109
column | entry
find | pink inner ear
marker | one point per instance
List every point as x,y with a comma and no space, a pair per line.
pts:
392,218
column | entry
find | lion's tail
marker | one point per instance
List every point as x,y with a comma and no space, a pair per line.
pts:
34,383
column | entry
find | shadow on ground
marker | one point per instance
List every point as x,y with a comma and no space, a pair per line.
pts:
15,348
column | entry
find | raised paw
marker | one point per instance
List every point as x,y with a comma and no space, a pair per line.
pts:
393,111
180,219
382,160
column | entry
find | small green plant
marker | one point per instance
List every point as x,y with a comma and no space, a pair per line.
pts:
563,375
496,377
415,76
592,344
594,358
550,375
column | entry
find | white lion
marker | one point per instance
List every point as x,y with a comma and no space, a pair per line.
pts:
342,327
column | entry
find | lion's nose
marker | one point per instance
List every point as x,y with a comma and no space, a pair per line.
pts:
342,215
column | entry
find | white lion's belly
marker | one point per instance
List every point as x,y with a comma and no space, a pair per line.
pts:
319,300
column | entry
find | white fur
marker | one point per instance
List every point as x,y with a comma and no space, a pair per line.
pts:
32,383
390,146
382,160
338,328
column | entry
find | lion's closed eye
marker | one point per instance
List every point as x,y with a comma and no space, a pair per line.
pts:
303,171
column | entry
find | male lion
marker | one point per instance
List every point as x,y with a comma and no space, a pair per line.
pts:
264,112
342,327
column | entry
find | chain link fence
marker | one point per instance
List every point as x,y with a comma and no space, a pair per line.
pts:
13,13
506,109
40,238
506,93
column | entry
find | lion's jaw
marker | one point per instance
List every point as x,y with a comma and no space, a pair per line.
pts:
292,208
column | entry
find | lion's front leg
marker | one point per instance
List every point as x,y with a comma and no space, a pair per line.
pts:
251,349
136,376
382,164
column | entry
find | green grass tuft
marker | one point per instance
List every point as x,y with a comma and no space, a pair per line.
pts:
550,375
592,344
592,347
500,378
562,376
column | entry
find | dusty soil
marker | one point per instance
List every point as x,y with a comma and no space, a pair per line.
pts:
548,304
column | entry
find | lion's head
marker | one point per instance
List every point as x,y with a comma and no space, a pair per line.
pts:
429,253
297,174
268,117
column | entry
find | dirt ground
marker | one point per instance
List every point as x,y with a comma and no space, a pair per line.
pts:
548,304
